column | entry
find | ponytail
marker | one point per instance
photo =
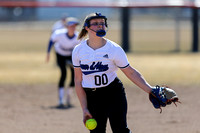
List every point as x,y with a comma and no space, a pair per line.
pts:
82,34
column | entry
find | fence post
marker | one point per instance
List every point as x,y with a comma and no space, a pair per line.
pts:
177,29
125,16
195,27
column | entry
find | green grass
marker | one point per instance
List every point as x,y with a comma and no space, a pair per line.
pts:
23,52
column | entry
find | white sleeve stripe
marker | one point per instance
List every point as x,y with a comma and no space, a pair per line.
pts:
124,66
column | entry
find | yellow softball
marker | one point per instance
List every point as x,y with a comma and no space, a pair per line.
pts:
91,124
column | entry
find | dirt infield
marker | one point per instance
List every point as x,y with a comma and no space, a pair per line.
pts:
30,109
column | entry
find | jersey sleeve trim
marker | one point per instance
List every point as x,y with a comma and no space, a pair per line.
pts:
124,66
76,66
50,46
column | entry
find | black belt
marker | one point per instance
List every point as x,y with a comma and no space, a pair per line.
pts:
90,89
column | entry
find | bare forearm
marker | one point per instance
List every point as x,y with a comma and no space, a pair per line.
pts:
81,96
138,79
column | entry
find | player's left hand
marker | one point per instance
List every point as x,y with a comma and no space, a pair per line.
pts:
162,96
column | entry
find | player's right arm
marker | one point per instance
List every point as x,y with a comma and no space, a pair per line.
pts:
81,93
49,50
54,38
78,83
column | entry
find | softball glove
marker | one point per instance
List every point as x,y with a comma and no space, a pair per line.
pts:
162,96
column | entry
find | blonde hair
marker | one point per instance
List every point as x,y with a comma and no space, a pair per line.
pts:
82,34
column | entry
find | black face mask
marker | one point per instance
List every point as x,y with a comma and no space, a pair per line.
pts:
100,33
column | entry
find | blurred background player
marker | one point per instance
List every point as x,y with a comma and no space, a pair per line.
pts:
64,40
60,24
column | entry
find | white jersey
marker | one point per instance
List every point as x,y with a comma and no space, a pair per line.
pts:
63,44
99,66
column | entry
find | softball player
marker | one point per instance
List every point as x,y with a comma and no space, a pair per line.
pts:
100,92
60,24
65,40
